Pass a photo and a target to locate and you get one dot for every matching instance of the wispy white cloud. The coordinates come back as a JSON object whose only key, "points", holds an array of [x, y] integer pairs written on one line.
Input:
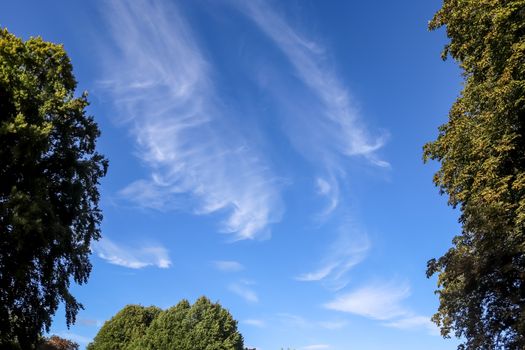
{"points": [[132, 257], [379, 302], [348, 250], [255, 322], [297, 321], [323, 187], [330, 129], [293, 320], [310, 62], [383, 302], [197, 157], [245, 291], [228, 265], [414, 322], [318, 274], [328, 187]]}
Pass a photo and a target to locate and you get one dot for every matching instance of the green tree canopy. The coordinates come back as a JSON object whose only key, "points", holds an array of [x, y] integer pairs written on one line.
{"points": [[481, 279], [49, 173], [201, 326], [170, 330], [128, 325]]}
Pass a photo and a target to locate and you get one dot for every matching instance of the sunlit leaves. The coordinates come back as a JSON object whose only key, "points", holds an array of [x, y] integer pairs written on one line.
{"points": [[482, 154], [49, 174]]}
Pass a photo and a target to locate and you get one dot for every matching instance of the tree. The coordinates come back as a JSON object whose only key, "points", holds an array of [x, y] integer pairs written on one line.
{"points": [[128, 325], [168, 331], [481, 279], [57, 343], [201, 326], [49, 175]]}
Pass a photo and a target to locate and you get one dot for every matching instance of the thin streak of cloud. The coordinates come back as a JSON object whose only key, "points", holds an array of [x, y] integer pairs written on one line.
{"points": [[348, 250], [161, 84], [383, 302], [228, 266], [414, 323], [309, 60], [317, 275], [244, 290], [293, 320], [132, 257], [297, 321], [328, 187], [329, 129], [380, 302], [255, 322]]}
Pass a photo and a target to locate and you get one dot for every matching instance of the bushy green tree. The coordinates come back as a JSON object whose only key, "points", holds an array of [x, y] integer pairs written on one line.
{"points": [[49, 174], [201, 326], [127, 326], [481, 279], [168, 331]]}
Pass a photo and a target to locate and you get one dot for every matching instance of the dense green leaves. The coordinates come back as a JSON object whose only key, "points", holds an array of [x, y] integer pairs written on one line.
{"points": [[482, 154], [49, 173], [201, 326], [124, 328]]}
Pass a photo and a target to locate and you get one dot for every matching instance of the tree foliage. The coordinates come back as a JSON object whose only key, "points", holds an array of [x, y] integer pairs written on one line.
{"points": [[168, 331], [49, 173], [57, 343], [128, 325], [201, 326], [204, 326], [481, 284]]}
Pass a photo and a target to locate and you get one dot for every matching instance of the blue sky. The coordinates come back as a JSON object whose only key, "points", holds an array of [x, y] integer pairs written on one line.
{"points": [[266, 154]]}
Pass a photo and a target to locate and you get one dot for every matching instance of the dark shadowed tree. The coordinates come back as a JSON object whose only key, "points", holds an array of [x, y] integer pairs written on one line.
{"points": [[481, 279], [49, 174]]}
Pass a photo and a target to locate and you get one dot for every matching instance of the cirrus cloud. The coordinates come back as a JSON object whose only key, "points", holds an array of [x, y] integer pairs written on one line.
{"points": [[197, 158], [136, 257]]}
